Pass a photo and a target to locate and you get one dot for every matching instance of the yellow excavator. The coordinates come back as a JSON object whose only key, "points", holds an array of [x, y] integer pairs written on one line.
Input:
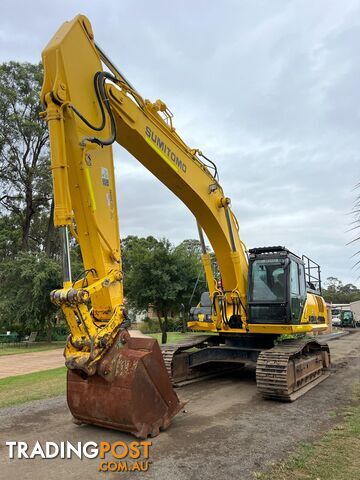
{"points": [[118, 380]]}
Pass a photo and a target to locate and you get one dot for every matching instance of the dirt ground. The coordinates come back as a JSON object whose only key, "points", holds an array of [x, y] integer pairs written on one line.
{"points": [[227, 431]]}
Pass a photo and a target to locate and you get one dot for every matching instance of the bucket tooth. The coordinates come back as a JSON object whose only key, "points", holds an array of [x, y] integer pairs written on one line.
{"points": [[131, 390]]}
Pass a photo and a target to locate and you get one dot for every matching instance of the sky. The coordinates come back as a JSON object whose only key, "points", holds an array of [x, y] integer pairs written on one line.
{"points": [[268, 90]]}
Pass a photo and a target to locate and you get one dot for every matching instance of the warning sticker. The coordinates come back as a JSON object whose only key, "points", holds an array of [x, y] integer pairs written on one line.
{"points": [[109, 199], [105, 176]]}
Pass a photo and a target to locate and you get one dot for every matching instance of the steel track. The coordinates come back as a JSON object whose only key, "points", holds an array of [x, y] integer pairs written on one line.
{"points": [[288, 370]]}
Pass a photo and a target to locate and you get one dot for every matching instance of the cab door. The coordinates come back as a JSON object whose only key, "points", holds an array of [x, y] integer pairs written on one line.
{"points": [[296, 297]]}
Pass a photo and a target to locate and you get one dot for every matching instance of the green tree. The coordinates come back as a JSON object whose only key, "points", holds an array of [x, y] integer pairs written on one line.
{"points": [[27, 240], [10, 237], [25, 284], [25, 179], [188, 259], [157, 274], [192, 246], [336, 292], [132, 249]]}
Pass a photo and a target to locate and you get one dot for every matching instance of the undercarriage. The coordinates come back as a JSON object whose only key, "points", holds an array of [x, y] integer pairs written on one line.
{"points": [[285, 370]]}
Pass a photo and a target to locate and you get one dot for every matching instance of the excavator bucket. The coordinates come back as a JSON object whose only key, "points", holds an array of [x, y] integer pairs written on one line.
{"points": [[131, 390]]}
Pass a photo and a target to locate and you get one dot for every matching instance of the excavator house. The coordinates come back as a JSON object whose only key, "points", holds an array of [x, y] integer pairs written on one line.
{"points": [[124, 382]]}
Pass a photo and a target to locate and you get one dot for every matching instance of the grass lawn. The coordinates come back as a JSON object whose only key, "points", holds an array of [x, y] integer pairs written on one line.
{"points": [[31, 348], [175, 337], [33, 386], [334, 457]]}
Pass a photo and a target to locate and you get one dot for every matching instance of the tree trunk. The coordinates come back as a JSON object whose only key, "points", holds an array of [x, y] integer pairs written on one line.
{"points": [[49, 329], [184, 323], [28, 213], [163, 327], [25, 231]]}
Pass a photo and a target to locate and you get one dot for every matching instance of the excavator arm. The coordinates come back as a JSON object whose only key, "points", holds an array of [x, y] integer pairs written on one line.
{"points": [[88, 109]]}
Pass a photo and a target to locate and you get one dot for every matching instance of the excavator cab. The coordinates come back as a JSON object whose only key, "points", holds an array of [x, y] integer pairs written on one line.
{"points": [[277, 286]]}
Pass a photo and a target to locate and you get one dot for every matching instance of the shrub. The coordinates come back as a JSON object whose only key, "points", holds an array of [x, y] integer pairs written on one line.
{"points": [[151, 325], [59, 333], [174, 324]]}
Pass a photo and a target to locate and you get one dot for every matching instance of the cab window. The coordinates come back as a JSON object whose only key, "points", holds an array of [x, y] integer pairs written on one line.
{"points": [[302, 280], [268, 282], [294, 278]]}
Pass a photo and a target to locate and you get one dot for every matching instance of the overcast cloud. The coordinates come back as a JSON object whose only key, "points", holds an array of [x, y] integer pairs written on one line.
{"points": [[268, 90]]}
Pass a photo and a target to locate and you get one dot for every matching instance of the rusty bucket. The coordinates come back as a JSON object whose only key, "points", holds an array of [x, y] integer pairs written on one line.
{"points": [[131, 390]]}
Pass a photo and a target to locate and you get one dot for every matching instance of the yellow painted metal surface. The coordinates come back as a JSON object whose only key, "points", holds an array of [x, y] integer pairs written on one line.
{"points": [[85, 195]]}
